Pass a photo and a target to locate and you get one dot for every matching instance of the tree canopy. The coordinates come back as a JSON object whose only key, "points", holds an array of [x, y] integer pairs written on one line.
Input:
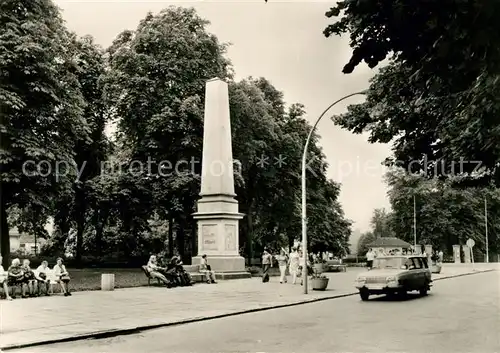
{"points": [[435, 100], [445, 215], [121, 200], [42, 108]]}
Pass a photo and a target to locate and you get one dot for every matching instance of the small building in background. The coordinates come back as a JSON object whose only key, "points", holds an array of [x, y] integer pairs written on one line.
{"points": [[24, 243], [384, 246]]}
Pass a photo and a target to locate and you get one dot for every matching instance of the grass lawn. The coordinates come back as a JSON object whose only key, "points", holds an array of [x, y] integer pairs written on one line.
{"points": [[90, 278]]}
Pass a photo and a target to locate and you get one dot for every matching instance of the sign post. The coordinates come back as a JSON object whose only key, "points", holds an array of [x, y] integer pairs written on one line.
{"points": [[470, 243]]}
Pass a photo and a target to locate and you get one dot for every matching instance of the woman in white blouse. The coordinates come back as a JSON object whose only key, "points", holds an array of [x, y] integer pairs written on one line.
{"points": [[62, 276], [294, 265]]}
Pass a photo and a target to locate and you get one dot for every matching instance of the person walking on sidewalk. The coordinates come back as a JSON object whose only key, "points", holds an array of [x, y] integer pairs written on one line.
{"points": [[282, 262], [207, 270], [3, 280], [293, 265], [267, 261], [370, 256]]}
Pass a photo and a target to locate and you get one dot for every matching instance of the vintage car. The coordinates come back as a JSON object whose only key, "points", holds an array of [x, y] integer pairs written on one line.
{"points": [[397, 274]]}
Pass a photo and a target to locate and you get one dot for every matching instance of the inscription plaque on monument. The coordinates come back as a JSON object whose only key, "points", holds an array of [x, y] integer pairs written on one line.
{"points": [[230, 231], [209, 236]]}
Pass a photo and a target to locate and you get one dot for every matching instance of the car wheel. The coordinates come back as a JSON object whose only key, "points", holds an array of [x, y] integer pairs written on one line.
{"points": [[364, 294], [402, 293], [391, 295], [423, 291]]}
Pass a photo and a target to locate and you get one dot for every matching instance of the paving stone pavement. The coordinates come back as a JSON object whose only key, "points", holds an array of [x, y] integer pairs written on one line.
{"points": [[48, 319]]}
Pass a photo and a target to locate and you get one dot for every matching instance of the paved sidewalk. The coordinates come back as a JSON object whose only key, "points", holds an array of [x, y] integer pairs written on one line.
{"points": [[25, 322]]}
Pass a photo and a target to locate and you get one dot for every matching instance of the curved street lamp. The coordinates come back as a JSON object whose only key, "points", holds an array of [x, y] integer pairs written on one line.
{"points": [[304, 202]]}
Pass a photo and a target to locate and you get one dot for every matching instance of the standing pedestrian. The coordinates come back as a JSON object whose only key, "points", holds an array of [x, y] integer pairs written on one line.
{"points": [[267, 261], [293, 265], [440, 256], [282, 262], [370, 256]]}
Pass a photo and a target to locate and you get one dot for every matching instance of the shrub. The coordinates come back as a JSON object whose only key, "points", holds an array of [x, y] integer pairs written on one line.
{"points": [[353, 260]]}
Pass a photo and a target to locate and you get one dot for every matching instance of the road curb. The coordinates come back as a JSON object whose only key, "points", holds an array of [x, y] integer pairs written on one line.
{"points": [[134, 330], [464, 274]]}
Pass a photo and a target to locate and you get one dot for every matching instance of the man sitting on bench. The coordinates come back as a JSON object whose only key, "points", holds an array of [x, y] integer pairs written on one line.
{"points": [[15, 277], [205, 268], [156, 271], [42, 279], [3, 280], [176, 270]]}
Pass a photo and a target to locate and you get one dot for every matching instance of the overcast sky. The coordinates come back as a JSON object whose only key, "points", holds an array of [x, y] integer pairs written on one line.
{"points": [[283, 42]]}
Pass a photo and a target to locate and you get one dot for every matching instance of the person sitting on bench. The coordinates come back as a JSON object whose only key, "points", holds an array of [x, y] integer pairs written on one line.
{"points": [[16, 276], [29, 278], [176, 269], [62, 276], [205, 268], [42, 278], [3, 280], [156, 271]]}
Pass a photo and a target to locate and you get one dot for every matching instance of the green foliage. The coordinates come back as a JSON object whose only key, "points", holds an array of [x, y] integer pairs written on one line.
{"points": [[117, 201], [436, 101], [445, 215], [381, 223], [364, 240], [270, 193], [155, 87], [381, 226], [42, 106]]}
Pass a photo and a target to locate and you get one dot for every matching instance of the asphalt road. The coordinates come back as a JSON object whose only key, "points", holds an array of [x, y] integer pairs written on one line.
{"points": [[459, 315]]}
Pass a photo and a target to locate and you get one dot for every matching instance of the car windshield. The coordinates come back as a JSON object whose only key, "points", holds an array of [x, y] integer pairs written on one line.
{"points": [[388, 262]]}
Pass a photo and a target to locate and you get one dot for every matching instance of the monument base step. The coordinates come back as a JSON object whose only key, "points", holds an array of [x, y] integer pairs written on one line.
{"points": [[201, 277], [191, 268], [232, 275]]}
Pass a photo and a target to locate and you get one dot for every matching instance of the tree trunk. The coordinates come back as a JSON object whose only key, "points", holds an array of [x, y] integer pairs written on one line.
{"points": [[80, 225], [194, 239], [103, 220], [170, 236], [4, 230], [249, 239], [180, 235]]}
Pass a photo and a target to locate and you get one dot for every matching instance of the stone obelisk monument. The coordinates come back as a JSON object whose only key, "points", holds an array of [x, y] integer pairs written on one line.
{"points": [[218, 215]]}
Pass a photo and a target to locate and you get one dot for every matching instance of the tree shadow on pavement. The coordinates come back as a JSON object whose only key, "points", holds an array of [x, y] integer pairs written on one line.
{"points": [[395, 298]]}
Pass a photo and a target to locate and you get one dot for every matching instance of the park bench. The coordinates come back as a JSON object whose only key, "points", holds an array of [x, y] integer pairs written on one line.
{"points": [[335, 266], [193, 270], [54, 283], [148, 275]]}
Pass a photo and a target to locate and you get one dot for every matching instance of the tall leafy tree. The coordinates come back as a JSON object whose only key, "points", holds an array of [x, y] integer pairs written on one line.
{"points": [[268, 140], [363, 242], [155, 88], [41, 107], [90, 151], [436, 99], [380, 223], [445, 215]]}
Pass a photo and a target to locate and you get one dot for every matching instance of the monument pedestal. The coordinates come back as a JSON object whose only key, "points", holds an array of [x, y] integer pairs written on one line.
{"points": [[231, 267], [456, 254], [218, 215], [218, 234], [467, 257]]}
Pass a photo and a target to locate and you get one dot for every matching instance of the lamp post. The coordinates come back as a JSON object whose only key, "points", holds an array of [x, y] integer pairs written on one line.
{"points": [[434, 189], [486, 228], [304, 201], [414, 222]]}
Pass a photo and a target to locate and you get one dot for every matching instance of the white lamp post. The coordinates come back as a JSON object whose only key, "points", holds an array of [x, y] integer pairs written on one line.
{"points": [[414, 222], [486, 228], [304, 201]]}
